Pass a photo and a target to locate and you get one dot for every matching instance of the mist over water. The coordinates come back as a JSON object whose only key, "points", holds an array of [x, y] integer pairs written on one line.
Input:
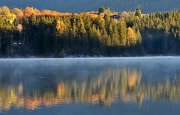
{"points": [[100, 86]]}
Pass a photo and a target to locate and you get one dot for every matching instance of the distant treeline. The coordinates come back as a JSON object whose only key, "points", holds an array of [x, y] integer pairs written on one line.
{"points": [[30, 32]]}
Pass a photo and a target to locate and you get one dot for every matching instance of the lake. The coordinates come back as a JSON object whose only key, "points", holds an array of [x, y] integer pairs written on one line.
{"points": [[90, 86]]}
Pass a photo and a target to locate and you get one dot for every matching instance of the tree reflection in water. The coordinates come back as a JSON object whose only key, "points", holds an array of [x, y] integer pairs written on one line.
{"points": [[110, 85]]}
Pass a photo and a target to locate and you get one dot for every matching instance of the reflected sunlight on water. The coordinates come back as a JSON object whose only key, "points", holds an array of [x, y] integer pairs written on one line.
{"points": [[34, 86]]}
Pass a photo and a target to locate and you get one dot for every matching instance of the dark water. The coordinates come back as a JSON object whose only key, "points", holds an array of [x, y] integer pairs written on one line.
{"points": [[103, 86]]}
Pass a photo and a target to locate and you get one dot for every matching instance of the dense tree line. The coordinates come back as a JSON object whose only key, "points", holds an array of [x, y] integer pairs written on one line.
{"points": [[26, 32]]}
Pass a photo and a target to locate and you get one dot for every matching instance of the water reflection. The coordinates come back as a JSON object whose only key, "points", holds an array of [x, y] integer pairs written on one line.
{"points": [[33, 87]]}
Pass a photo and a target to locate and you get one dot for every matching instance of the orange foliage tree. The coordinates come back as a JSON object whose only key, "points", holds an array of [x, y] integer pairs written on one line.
{"points": [[28, 11]]}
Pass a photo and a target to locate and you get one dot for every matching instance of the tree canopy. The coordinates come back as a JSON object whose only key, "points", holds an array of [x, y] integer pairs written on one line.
{"points": [[30, 31]]}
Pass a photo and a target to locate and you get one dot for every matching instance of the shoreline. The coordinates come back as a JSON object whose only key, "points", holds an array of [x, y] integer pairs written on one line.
{"points": [[130, 57]]}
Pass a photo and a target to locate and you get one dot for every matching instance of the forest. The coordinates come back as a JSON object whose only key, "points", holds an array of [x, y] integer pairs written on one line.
{"points": [[46, 33]]}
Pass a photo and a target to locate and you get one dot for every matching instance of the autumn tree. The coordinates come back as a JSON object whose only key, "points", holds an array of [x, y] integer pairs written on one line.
{"points": [[28, 11], [131, 37], [60, 26], [18, 12], [7, 15]]}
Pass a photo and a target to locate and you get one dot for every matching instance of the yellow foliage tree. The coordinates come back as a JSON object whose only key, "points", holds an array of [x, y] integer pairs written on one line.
{"points": [[18, 12], [132, 38], [60, 26], [6, 14]]}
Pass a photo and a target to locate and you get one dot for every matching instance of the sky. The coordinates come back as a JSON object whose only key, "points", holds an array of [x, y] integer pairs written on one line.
{"points": [[93, 5]]}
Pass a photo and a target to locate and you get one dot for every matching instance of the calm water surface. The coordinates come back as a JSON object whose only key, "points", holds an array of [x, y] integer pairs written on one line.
{"points": [[91, 86]]}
